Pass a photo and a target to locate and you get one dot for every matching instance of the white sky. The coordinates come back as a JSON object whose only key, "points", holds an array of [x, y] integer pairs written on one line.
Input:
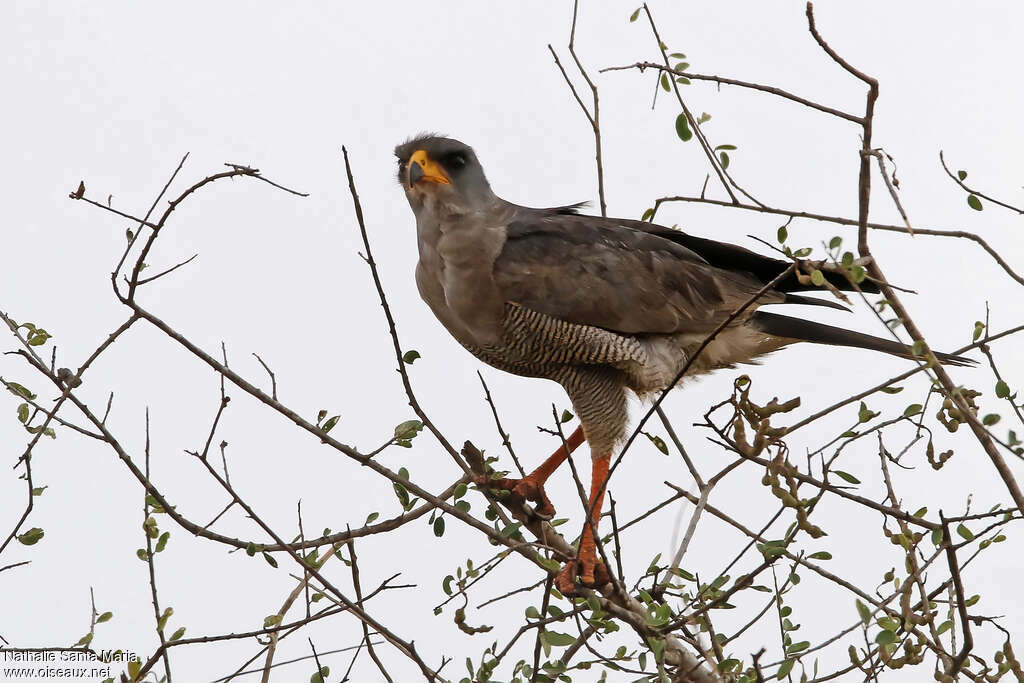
{"points": [[115, 93]]}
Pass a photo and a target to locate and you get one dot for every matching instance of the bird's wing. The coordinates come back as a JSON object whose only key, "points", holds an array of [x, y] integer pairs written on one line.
{"points": [[763, 268], [599, 272]]}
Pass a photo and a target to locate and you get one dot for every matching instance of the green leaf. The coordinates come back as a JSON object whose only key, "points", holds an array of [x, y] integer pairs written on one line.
{"points": [[974, 202], [648, 214], [370, 518], [784, 669], [566, 416], [18, 389], [798, 647], [272, 620], [403, 495], [439, 527], [408, 430], [962, 175], [47, 431], [23, 413], [724, 159], [106, 616], [270, 560], [817, 277], [329, 425], [892, 390], [846, 476], [556, 639], [865, 414], [913, 409], [133, 668], [177, 634], [858, 274], [320, 416], [512, 529], [991, 419], [1002, 391], [863, 611], [782, 234], [677, 55], [728, 147], [979, 327], [162, 541], [835, 242], [634, 15], [729, 664], [683, 127], [31, 537], [937, 536], [964, 532], [549, 564], [658, 442], [821, 555], [665, 84], [886, 637], [410, 356], [446, 585], [771, 549], [321, 675]]}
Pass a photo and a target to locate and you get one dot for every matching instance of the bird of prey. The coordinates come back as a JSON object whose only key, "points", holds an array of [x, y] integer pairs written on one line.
{"points": [[600, 305]]}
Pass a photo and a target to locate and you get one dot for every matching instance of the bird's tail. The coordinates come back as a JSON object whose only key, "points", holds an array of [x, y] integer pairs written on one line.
{"points": [[819, 333]]}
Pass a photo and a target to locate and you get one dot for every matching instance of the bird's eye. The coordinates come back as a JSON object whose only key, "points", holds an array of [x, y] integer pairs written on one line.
{"points": [[456, 161]]}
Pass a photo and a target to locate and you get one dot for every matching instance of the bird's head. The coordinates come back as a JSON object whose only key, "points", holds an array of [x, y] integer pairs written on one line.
{"points": [[440, 172]]}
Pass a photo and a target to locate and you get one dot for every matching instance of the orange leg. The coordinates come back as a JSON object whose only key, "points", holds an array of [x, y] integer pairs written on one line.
{"points": [[587, 566], [531, 487]]}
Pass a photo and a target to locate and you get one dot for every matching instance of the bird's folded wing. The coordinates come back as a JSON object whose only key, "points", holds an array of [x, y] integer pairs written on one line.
{"points": [[594, 271], [763, 268]]}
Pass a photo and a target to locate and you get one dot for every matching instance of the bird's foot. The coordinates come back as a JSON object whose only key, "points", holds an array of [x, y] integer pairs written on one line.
{"points": [[589, 569], [521, 491]]}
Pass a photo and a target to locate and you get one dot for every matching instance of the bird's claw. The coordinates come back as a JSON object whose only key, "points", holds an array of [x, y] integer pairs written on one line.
{"points": [[591, 573], [521, 491]]}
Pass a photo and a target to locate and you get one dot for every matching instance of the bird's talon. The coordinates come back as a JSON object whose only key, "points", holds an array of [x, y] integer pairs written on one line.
{"points": [[593, 575]]}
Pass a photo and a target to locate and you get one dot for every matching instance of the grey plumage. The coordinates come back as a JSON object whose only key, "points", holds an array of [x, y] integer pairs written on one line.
{"points": [[599, 305], [548, 292]]}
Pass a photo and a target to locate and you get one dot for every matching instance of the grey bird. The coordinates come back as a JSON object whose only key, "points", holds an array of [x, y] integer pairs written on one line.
{"points": [[600, 305]]}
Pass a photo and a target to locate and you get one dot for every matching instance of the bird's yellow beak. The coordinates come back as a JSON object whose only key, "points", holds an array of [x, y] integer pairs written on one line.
{"points": [[422, 167]]}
